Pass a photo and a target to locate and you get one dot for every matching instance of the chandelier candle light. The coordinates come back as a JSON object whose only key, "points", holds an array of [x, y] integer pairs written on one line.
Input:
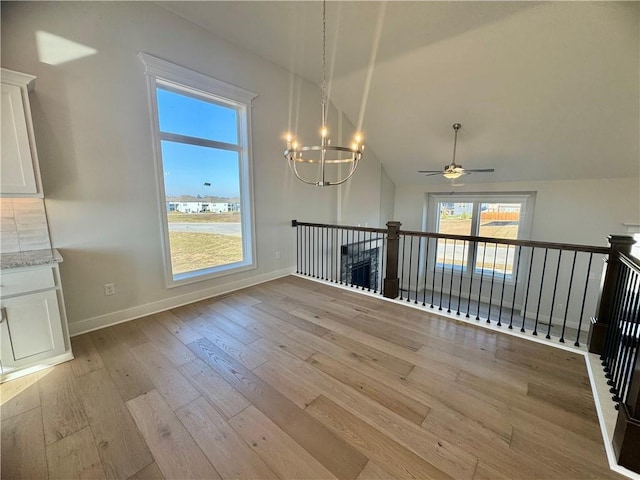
{"points": [[328, 154]]}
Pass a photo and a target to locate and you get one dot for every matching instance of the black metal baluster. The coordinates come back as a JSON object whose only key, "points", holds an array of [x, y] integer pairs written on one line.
{"points": [[526, 298], [426, 269], [632, 349], [409, 274], [453, 263], [614, 335], [584, 298], [352, 254], [297, 248], [493, 276], [553, 297], [321, 256], [544, 267], [619, 330], [464, 259], [474, 246], [433, 277], [418, 269], [444, 264], [338, 250], [371, 270], [404, 241], [628, 342], [305, 249], [484, 252], [566, 306], [619, 344], [383, 255], [504, 280], [515, 288]]}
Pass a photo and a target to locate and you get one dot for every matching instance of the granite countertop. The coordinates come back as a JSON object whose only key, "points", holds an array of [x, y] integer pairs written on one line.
{"points": [[30, 258]]}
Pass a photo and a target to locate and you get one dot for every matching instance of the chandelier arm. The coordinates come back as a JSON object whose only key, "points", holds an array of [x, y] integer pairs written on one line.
{"points": [[295, 171]]}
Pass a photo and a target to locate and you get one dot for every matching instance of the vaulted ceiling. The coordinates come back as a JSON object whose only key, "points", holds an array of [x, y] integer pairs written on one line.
{"points": [[543, 91]]}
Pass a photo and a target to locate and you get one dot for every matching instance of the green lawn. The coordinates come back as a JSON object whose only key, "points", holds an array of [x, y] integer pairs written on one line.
{"points": [[194, 251]]}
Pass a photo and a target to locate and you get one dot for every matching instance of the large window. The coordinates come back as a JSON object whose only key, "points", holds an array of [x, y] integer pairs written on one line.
{"points": [[505, 216], [201, 135]]}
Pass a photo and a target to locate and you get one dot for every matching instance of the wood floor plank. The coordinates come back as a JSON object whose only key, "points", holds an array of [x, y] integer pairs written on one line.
{"points": [[122, 449], [164, 341], [336, 455], [226, 399], [19, 395], [272, 373], [174, 387], [453, 460], [227, 452], [390, 398], [129, 333], [241, 314], [128, 376], [75, 456], [382, 359], [385, 331], [234, 329], [23, 449], [228, 344], [526, 406], [150, 472], [86, 357], [571, 398], [284, 455], [487, 411], [241, 298], [290, 319], [62, 411], [399, 461], [373, 471], [175, 451], [177, 327], [553, 462], [282, 341], [189, 312]]}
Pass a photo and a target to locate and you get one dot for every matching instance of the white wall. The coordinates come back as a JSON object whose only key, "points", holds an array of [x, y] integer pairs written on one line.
{"points": [[93, 134]]}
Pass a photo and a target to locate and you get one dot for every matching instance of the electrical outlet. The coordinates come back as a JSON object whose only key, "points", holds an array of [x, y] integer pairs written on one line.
{"points": [[109, 289], [277, 255]]}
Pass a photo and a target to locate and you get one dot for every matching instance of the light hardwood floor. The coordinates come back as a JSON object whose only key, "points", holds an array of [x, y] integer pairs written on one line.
{"points": [[293, 379]]}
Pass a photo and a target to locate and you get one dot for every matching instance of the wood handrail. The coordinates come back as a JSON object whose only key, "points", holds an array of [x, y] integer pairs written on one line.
{"points": [[469, 238]]}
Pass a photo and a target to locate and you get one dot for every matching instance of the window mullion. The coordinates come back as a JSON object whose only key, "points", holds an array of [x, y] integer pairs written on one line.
{"points": [[200, 142]]}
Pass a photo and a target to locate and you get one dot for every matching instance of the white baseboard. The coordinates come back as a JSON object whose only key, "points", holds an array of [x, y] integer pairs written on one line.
{"points": [[102, 321]]}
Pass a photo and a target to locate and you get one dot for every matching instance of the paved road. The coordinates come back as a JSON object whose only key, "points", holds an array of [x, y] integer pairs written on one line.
{"points": [[232, 229]]}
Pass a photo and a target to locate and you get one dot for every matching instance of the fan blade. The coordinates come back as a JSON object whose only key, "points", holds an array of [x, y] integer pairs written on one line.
{"points": [[479, 170], [429, 171], [432, 174]]}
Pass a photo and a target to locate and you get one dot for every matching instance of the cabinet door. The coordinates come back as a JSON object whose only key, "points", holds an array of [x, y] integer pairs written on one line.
{"points": [[16, 164], [31, 329]]}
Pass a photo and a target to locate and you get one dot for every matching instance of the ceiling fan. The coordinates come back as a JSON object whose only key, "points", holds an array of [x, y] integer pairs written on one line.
{"points": [[454, 170]]}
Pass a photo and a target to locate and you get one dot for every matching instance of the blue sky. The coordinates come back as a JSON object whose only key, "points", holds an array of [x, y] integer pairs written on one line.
{"points": [[187, 168]]}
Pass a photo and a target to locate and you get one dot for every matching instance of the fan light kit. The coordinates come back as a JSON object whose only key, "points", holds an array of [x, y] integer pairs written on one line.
{"points": [[348, 156], [454, 170]]}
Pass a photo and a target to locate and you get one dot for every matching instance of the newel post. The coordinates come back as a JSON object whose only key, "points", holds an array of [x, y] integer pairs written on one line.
{"points": [[600, 325], [391, 280]]}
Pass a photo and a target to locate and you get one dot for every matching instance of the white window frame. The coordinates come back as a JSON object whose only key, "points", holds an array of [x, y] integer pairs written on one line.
{"points": [[430, 220], [183, 80]]}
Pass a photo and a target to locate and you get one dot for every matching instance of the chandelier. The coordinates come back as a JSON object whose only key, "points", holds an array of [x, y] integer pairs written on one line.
{"points": [[324, 156]]}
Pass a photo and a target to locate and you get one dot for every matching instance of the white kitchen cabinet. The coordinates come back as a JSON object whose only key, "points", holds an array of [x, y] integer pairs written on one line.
{"points": [[19, 170], [33, 330]]}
